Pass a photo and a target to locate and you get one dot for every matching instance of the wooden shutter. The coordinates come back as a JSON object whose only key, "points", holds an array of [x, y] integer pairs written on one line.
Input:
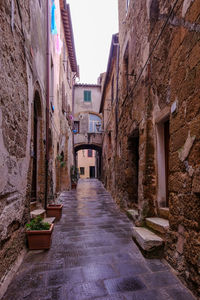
{"points": [[63, 98]]}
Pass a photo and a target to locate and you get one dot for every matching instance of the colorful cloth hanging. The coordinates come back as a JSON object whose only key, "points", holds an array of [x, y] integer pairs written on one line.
{"points": [[53, 19], [58, 44]]}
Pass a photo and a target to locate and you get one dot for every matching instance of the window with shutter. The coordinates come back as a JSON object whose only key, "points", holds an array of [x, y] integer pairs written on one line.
{"points": [[63, 97], [89, 152], [87, 96]]}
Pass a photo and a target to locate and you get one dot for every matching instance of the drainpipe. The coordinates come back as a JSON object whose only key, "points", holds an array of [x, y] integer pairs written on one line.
{"points": [[47, 107], [117, 90]]}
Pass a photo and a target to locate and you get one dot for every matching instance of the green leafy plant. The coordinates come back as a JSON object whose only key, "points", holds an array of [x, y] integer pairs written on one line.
{"points": [[37, 224], [74, 174], [60, 158]]}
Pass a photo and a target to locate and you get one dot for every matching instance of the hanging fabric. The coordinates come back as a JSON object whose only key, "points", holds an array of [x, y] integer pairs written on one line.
{"points": [[58, 44], [53, 19]]}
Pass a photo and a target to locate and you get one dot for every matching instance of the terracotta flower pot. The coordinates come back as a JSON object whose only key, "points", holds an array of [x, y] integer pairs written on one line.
{"points": [[54, 210], [74, 185], [39, 239]]}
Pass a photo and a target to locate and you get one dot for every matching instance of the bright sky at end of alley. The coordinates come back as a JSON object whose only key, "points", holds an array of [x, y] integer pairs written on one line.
{"points": [[94, 22]]}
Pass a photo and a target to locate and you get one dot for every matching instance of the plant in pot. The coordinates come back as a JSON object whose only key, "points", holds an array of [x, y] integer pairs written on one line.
{"points": [[39, 234], [54, 210], [74, 177]]}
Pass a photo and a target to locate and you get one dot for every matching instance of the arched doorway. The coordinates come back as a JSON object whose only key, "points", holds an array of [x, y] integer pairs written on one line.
{"points": [[36, 146]]}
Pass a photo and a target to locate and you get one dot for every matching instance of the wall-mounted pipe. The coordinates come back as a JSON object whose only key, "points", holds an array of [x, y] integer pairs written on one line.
{"points": [[47, 104]]}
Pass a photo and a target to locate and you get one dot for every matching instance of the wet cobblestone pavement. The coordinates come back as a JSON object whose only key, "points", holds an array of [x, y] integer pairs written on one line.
{"points": [[93, 257]]}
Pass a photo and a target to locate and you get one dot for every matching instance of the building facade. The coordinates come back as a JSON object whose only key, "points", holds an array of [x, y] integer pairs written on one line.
{"points": [[87, 121], [86, 163], [156, 157], [38, 70]]}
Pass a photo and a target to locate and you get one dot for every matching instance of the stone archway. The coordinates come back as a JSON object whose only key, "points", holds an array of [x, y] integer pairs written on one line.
{"points": [[95, 147]]}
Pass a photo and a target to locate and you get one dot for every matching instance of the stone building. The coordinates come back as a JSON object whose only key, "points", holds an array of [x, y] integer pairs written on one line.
{"points": [[38, 70], [86, 163], [87, 98], [155, 145]]}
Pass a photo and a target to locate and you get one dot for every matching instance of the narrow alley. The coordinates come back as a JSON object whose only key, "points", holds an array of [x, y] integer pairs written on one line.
{"points": [[93, 257]]}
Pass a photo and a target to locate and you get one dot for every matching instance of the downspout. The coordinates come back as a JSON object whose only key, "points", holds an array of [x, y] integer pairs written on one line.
{"points": [[117, 92], [47, 108]]}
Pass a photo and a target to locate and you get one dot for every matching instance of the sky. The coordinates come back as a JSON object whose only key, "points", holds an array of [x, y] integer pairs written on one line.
{"points": [[94, 22]]}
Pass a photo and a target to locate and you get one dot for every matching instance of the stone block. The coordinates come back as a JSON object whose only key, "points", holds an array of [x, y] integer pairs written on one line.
{"points": [[163, 212], [132, 214], [158, 224], [146, 239], [38, 212], [196, 181]]}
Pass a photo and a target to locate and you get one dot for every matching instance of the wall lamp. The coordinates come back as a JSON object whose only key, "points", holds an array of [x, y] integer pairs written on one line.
{"points": [[98, 126]]}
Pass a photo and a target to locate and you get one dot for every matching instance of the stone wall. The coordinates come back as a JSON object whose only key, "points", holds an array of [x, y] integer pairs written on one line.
{"points": [[161, 58], [14, 115], [22, 102]]}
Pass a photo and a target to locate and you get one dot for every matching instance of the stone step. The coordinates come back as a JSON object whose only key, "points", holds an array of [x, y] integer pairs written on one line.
{"points": [[38, 212], [163, 212], [157, 224], [33, 205], [132, 214], [146, 239], [49, 220]]}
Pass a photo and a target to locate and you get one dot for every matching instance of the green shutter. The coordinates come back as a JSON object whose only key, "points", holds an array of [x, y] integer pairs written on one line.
{"points": [[87, 96]]}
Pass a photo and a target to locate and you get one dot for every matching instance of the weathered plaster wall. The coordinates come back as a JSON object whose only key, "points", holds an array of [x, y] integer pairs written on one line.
{"points": [[83, 109], [80, 105], [85, 162]]}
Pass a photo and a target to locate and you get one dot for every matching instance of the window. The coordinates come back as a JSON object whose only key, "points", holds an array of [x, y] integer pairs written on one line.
{"points": [[126, 68], [76, 126], [112, 90], [52, 85], [82, 170], [64, 56], [89, 152], [93, 121], [63, 98], [87, 96]]}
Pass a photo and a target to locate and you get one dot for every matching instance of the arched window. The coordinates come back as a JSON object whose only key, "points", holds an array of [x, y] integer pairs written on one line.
{"points": [[93, 120]]}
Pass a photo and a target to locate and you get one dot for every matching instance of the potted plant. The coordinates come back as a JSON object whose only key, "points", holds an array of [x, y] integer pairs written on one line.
{"points": [[39, 234], [74, 177], [60, 159], [54, 210]]}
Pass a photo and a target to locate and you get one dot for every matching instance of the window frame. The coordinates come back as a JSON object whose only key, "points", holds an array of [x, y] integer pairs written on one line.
{"points": [[90, 153], [82, 170]]}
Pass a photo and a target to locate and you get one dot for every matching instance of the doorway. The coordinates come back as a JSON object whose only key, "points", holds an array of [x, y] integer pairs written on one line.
{"points": [[37, 150], [92, 172], [166, 144], [133, 169], [163, 140], [34, 154]]}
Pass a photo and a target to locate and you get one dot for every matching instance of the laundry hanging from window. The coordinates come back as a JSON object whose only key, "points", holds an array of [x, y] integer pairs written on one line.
{"points": [[53, 19]]}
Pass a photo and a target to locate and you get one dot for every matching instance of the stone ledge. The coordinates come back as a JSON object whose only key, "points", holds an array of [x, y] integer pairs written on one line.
{"points": [[164, 212], [132, 214], [49, 220], [38, 212], [158, 224], [146, 239]]}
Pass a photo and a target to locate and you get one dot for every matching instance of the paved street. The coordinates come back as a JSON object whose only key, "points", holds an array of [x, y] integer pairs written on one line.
{"points": [[93, 257]]}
